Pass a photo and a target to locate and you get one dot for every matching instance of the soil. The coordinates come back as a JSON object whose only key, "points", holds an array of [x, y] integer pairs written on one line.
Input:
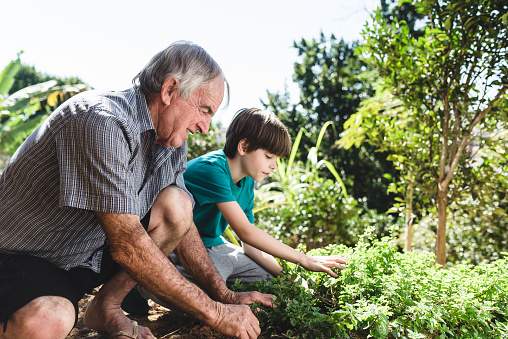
{"points": [[164, 324]]}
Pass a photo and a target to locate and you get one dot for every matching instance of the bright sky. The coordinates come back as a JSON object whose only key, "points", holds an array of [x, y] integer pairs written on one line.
{"points": [[106, 42]]}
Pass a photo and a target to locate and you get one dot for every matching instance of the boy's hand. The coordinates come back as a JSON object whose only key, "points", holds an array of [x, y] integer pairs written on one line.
{"points": [[324, 263]]}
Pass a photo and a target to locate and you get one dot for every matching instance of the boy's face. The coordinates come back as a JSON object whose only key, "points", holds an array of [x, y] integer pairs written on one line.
{"points": [[259, 164]]}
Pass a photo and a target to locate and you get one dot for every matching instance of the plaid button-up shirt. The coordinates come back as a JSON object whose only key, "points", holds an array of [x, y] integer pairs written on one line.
{"points": [[96, 152]]}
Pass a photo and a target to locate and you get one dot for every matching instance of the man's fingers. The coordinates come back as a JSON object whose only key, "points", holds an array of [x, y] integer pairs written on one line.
{"points": [[255, 330], [267, 300]]}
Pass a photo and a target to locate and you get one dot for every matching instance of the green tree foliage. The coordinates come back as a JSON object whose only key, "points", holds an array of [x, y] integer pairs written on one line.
{"points": [[333, 81], [393, 10], [383, 121], [28, 76], [449, 79], [25, 109]]}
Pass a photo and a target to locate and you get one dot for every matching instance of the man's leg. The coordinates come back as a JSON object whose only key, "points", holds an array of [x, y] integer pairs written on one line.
{"points": [[45, 317], [171, 217], [37, 299]]}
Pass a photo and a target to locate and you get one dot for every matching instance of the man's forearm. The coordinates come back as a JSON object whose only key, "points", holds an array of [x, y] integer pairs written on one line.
{"points": [[135, 251], [193, 256]]}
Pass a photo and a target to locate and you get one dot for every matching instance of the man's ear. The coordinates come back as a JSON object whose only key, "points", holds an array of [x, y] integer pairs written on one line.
{"points": [[242, 146], [168, 90]]}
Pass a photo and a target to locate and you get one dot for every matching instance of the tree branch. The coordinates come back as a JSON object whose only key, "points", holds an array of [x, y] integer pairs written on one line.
{"points": [[479, 116]]}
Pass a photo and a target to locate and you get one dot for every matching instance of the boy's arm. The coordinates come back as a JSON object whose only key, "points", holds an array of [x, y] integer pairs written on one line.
{"points": [[265, 260], [250, 234]]}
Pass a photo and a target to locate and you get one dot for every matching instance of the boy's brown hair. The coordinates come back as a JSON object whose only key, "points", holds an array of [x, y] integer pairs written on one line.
{"points": [[262, 129]]}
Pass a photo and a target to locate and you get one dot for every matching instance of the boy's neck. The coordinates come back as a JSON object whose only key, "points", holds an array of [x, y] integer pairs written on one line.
{"points": [[235, 168]]}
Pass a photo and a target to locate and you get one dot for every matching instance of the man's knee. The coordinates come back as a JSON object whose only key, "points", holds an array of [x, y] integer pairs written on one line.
{"points": [[44, 317], [172, 210]]}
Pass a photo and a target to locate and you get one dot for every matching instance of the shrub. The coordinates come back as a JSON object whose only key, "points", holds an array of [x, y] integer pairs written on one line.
{"points": [[384, 293]]}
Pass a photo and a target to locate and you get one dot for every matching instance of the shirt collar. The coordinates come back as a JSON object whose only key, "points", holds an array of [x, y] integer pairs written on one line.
{"points": [[145, 119]]}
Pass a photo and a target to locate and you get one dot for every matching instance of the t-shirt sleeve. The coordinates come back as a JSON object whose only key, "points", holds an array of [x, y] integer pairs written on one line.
{"points": [[93, 156], [209, 183]]}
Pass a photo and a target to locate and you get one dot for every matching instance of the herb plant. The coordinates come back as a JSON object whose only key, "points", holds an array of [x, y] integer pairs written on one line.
{"points": [[383, 293]]}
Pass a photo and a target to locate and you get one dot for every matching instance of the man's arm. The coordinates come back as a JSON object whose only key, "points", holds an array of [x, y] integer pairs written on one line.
{"points": [[194, 258], [135, 251]]}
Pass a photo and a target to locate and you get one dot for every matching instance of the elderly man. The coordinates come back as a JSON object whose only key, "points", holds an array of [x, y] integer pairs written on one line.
{"points": [[95, 196]]}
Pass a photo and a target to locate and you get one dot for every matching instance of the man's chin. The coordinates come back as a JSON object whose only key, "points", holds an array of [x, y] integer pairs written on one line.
{"points": [[169, 143]]}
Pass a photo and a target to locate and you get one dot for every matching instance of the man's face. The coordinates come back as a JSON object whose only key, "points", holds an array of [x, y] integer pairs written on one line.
{"points": [[183, 116]]}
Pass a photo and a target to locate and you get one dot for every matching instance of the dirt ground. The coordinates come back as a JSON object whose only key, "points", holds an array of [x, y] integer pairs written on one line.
{"points": [[163, 323]]}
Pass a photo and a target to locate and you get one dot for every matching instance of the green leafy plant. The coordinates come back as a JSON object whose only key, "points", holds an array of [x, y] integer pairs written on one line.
{"points": [[384, 293], [306, 206]]}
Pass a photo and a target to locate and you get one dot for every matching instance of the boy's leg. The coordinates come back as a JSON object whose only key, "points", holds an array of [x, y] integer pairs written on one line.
{"points": [[237, 264]]}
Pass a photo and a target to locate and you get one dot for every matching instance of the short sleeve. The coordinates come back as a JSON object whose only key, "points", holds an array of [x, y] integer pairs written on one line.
{"points": [[94, 154], [209, 183]]}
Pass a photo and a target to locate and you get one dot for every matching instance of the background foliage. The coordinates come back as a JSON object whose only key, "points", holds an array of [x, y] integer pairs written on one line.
{"points": [[25, 102], [449, 79]]}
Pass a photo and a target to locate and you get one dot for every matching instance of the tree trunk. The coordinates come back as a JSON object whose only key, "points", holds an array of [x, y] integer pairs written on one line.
{"points": [[442, 204], [409, 216], [409, 230]]}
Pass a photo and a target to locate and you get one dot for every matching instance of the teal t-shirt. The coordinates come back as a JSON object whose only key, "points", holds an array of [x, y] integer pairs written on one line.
{"points": [[209, 180]]}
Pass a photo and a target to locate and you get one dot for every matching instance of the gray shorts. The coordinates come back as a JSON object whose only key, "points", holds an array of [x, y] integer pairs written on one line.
{"points": [[231, 264]]}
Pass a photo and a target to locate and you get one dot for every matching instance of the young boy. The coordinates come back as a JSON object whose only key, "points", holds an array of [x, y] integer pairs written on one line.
{"points": [[222, 183]]}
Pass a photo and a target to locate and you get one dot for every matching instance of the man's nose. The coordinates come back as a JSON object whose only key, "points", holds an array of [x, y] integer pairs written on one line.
{"points": [[204, 126]]}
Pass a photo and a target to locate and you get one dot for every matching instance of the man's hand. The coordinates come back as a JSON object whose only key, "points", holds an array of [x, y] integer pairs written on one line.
{"points": [[247, 298], [237, 321]]}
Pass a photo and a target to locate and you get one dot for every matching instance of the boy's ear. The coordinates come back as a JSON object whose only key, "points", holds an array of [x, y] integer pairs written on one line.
{"points": [[242, 146]]}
